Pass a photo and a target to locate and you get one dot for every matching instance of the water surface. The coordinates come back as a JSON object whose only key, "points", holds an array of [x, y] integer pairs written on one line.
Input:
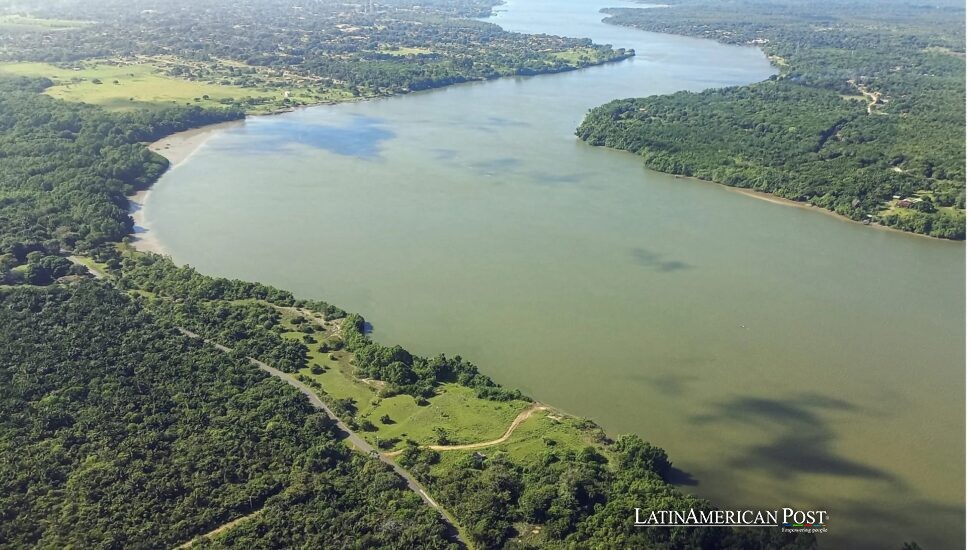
{"points": [[783, 357]]}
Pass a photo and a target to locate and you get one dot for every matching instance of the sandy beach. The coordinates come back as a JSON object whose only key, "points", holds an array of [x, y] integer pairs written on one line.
{"points": [[177, 148]]}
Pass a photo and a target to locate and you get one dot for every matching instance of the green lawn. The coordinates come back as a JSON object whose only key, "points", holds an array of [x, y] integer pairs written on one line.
{"points": [[465, 417], [130, 85]]}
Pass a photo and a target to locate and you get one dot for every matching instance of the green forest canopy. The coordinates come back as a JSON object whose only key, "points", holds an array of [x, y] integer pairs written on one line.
{"points": [[868, 108]]}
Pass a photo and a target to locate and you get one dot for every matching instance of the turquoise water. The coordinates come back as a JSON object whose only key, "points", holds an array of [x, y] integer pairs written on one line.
{"points": [[783, 357]]}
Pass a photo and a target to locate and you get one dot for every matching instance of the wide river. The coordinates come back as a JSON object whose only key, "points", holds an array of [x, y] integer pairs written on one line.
{"points": [[782, 356]]}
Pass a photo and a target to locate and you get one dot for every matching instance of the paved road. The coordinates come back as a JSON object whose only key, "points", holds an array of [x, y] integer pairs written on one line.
{"points": [[354, 439]]}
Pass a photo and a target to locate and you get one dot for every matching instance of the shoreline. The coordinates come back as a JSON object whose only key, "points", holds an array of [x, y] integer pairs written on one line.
{"points": [[176, 148], [180, 146], [775, 199], [776, 62]]}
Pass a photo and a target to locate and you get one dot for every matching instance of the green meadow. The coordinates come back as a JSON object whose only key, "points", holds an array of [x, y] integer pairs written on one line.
{"points": [[455, 416], [128, 85]]}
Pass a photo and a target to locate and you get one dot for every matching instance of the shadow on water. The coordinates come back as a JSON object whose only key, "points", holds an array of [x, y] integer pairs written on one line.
{"points": [[496, 166], [656, 262], [877, 516], [678, 477], [361, 137], [671, 384], [543, 178], [804, 442], [506, 122], [444, 154]]}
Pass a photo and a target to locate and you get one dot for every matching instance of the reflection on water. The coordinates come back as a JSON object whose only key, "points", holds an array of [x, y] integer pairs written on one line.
{"points": [[784, 358]]}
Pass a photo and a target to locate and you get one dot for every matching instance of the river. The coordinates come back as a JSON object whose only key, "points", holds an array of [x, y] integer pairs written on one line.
{"points": [[783, 357]]}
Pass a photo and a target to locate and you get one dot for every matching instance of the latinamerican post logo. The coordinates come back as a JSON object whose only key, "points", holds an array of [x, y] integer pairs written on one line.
{"points": [[787, 519]]}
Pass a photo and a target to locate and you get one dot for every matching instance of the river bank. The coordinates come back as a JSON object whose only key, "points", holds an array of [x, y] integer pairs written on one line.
{"points": [[758, 345], [775, 199], [176, 148]]}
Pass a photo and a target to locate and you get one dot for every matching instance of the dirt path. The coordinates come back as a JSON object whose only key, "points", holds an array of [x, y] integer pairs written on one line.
{"points": [[872, 98], [522, 417], [352, 437], [220, 529], [331, 328], [95, 272]]}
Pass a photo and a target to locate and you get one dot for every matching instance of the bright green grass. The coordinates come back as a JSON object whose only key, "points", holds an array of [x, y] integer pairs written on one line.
{"points": [[140, 85], [542, 432], [338, 379], [457, 409], [465, 417], [539, 434], [92, 264]]}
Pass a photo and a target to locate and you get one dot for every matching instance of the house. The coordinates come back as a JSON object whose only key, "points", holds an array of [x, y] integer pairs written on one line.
{"points": [[905, 203]]}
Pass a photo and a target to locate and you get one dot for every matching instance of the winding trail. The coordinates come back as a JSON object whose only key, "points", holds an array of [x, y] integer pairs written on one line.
{"points": [[354, 439], [522, 417]]}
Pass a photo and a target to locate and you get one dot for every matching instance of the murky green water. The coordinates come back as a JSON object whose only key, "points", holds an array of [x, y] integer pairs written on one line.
{"points": [[783, 357]]}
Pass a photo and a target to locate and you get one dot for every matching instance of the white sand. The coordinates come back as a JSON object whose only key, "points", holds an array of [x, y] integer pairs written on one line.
{"points": [[177, 148]]}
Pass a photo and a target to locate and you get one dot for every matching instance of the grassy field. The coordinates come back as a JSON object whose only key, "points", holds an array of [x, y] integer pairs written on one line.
{"points": [[577, 55], [464, 417], [403, 51], [24, 21], [129, 85], [456, 409], [529, 442]]}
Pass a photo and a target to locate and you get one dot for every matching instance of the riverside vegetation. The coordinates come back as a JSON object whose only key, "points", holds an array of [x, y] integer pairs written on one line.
{"points": [[120, 430], [865, 118], [267, 55], [108, 402]]}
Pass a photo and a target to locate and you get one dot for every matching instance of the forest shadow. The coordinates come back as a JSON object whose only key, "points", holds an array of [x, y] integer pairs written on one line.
{"points": [[679, 477]]}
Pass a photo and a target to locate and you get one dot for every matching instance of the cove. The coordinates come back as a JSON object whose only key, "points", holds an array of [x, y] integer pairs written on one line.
{"points": [[784, 358]]}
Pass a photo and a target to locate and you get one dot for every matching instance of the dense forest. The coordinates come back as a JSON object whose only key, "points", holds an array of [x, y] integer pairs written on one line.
{"points": [[118, 431], [866, 116], [580, 500], [66, 168], [113, 404]]}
